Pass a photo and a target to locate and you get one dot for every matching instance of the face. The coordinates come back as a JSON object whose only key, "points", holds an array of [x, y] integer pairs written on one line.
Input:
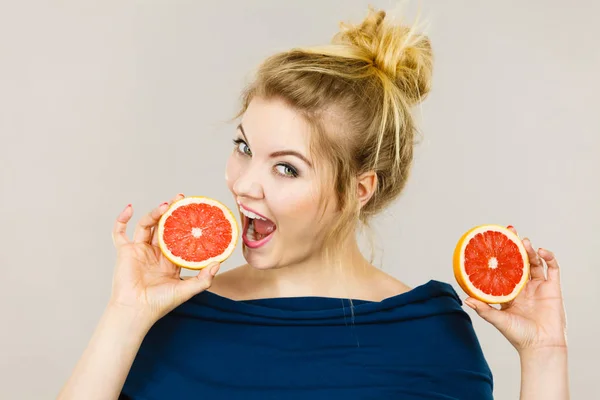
{"points": [[272, 176]]}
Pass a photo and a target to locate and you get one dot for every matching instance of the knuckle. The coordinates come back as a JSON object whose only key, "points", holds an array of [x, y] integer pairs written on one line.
{"points": [[145, 222], [205, 282], [155, 215]]}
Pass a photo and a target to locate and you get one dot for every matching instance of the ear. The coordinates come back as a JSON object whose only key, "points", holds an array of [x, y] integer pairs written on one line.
{"points": [[367, 183]]}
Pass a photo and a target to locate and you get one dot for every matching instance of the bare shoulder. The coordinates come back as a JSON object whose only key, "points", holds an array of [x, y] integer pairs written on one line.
{"points": [[373, 284], [387, 286]]}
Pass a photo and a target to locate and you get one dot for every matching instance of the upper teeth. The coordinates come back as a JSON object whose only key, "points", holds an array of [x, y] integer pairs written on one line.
{"points": [[250, 214]]}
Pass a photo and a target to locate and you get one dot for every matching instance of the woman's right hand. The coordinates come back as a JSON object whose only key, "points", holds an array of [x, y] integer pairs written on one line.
{"points": [[144, 280]]}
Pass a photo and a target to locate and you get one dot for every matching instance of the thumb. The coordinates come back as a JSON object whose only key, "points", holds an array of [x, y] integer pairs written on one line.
{"points": [[487, 312], [196, 284]]}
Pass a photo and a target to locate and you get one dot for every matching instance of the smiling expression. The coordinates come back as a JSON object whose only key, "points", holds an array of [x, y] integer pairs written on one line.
{"points": [[273, 177]]}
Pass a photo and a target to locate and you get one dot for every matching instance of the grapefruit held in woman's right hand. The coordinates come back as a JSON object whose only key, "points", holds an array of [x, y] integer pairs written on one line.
{"points": [[145, 280]]}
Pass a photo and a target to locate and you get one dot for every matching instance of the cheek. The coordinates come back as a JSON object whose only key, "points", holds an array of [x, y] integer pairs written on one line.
{"points": [[299, 206]]}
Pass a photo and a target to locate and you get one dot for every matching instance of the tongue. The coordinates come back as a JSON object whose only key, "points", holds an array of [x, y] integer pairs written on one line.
{"points": [[263, 227]]}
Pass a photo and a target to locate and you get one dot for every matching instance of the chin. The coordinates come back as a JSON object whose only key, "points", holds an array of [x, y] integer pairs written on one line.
{"points": [[259, 262]]}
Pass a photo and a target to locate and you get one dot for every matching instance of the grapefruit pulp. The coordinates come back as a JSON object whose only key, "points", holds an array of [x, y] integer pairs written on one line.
{"points": [[197, 231], [491, 264]]}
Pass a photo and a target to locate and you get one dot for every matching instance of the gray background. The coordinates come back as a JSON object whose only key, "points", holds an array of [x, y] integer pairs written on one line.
{"points": [[103, 103]]}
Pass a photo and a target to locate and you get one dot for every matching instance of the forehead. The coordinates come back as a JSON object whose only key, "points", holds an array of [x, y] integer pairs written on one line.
{"points": [[272, 124]]}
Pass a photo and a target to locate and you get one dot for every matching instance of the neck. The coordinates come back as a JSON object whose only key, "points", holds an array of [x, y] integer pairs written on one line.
{"points": [[344, 277]]}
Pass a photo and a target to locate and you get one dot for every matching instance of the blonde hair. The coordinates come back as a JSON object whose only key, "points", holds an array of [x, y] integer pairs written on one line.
{"points": [[356, 93]]}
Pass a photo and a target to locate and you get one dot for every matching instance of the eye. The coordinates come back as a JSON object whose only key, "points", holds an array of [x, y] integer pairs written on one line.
{"points": [[286, 170], [242, 147]]}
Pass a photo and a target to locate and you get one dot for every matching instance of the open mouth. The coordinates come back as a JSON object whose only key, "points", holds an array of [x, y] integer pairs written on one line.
{"points": [[257, 230]]}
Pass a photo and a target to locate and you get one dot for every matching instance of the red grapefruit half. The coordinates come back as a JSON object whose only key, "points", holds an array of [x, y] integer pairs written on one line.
{"points": [[196, 231], [491, 264]]}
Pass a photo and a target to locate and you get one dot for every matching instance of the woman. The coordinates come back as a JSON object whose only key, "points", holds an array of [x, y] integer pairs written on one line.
{"points": [[325, 142]]}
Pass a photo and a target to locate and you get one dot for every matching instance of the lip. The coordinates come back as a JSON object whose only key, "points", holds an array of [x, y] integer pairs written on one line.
{"points": [[255, 212], [258, 243]]}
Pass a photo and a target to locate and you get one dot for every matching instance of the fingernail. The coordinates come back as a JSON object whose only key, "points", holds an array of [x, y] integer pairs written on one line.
{"points": [[162, 205], [181, 194], [128, 205], [510, 227], [214, 269]]}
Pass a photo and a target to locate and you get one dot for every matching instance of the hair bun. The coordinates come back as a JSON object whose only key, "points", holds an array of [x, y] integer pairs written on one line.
{"points": [[397, 50]]}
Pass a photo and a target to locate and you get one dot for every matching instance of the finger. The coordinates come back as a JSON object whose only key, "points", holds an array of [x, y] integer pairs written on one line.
{"points": [[199, 283], [119, 232], [536, 265], [487, 312], [155, 228], [553, 268], [143, 229]]}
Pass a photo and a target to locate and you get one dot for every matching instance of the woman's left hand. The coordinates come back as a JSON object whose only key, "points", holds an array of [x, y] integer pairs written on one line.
{"points": [[535, 319]]}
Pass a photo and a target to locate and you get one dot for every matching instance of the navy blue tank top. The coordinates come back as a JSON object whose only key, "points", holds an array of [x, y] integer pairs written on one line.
{"points": [[416, 345]]}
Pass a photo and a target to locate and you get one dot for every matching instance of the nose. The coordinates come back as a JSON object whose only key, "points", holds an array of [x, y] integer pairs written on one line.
{"points": [[248, 185]]}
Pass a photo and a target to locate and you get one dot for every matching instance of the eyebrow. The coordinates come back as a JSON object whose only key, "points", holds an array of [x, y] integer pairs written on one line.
{"points": [[278, 153]]}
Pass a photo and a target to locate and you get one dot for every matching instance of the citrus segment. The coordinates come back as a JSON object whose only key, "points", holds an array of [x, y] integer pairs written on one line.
{"points": [[196, 231], [491, 264]]}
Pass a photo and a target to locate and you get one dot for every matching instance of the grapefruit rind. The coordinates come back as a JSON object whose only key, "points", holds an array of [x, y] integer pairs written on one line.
{"points": [[201, 264], [460, 273]]}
